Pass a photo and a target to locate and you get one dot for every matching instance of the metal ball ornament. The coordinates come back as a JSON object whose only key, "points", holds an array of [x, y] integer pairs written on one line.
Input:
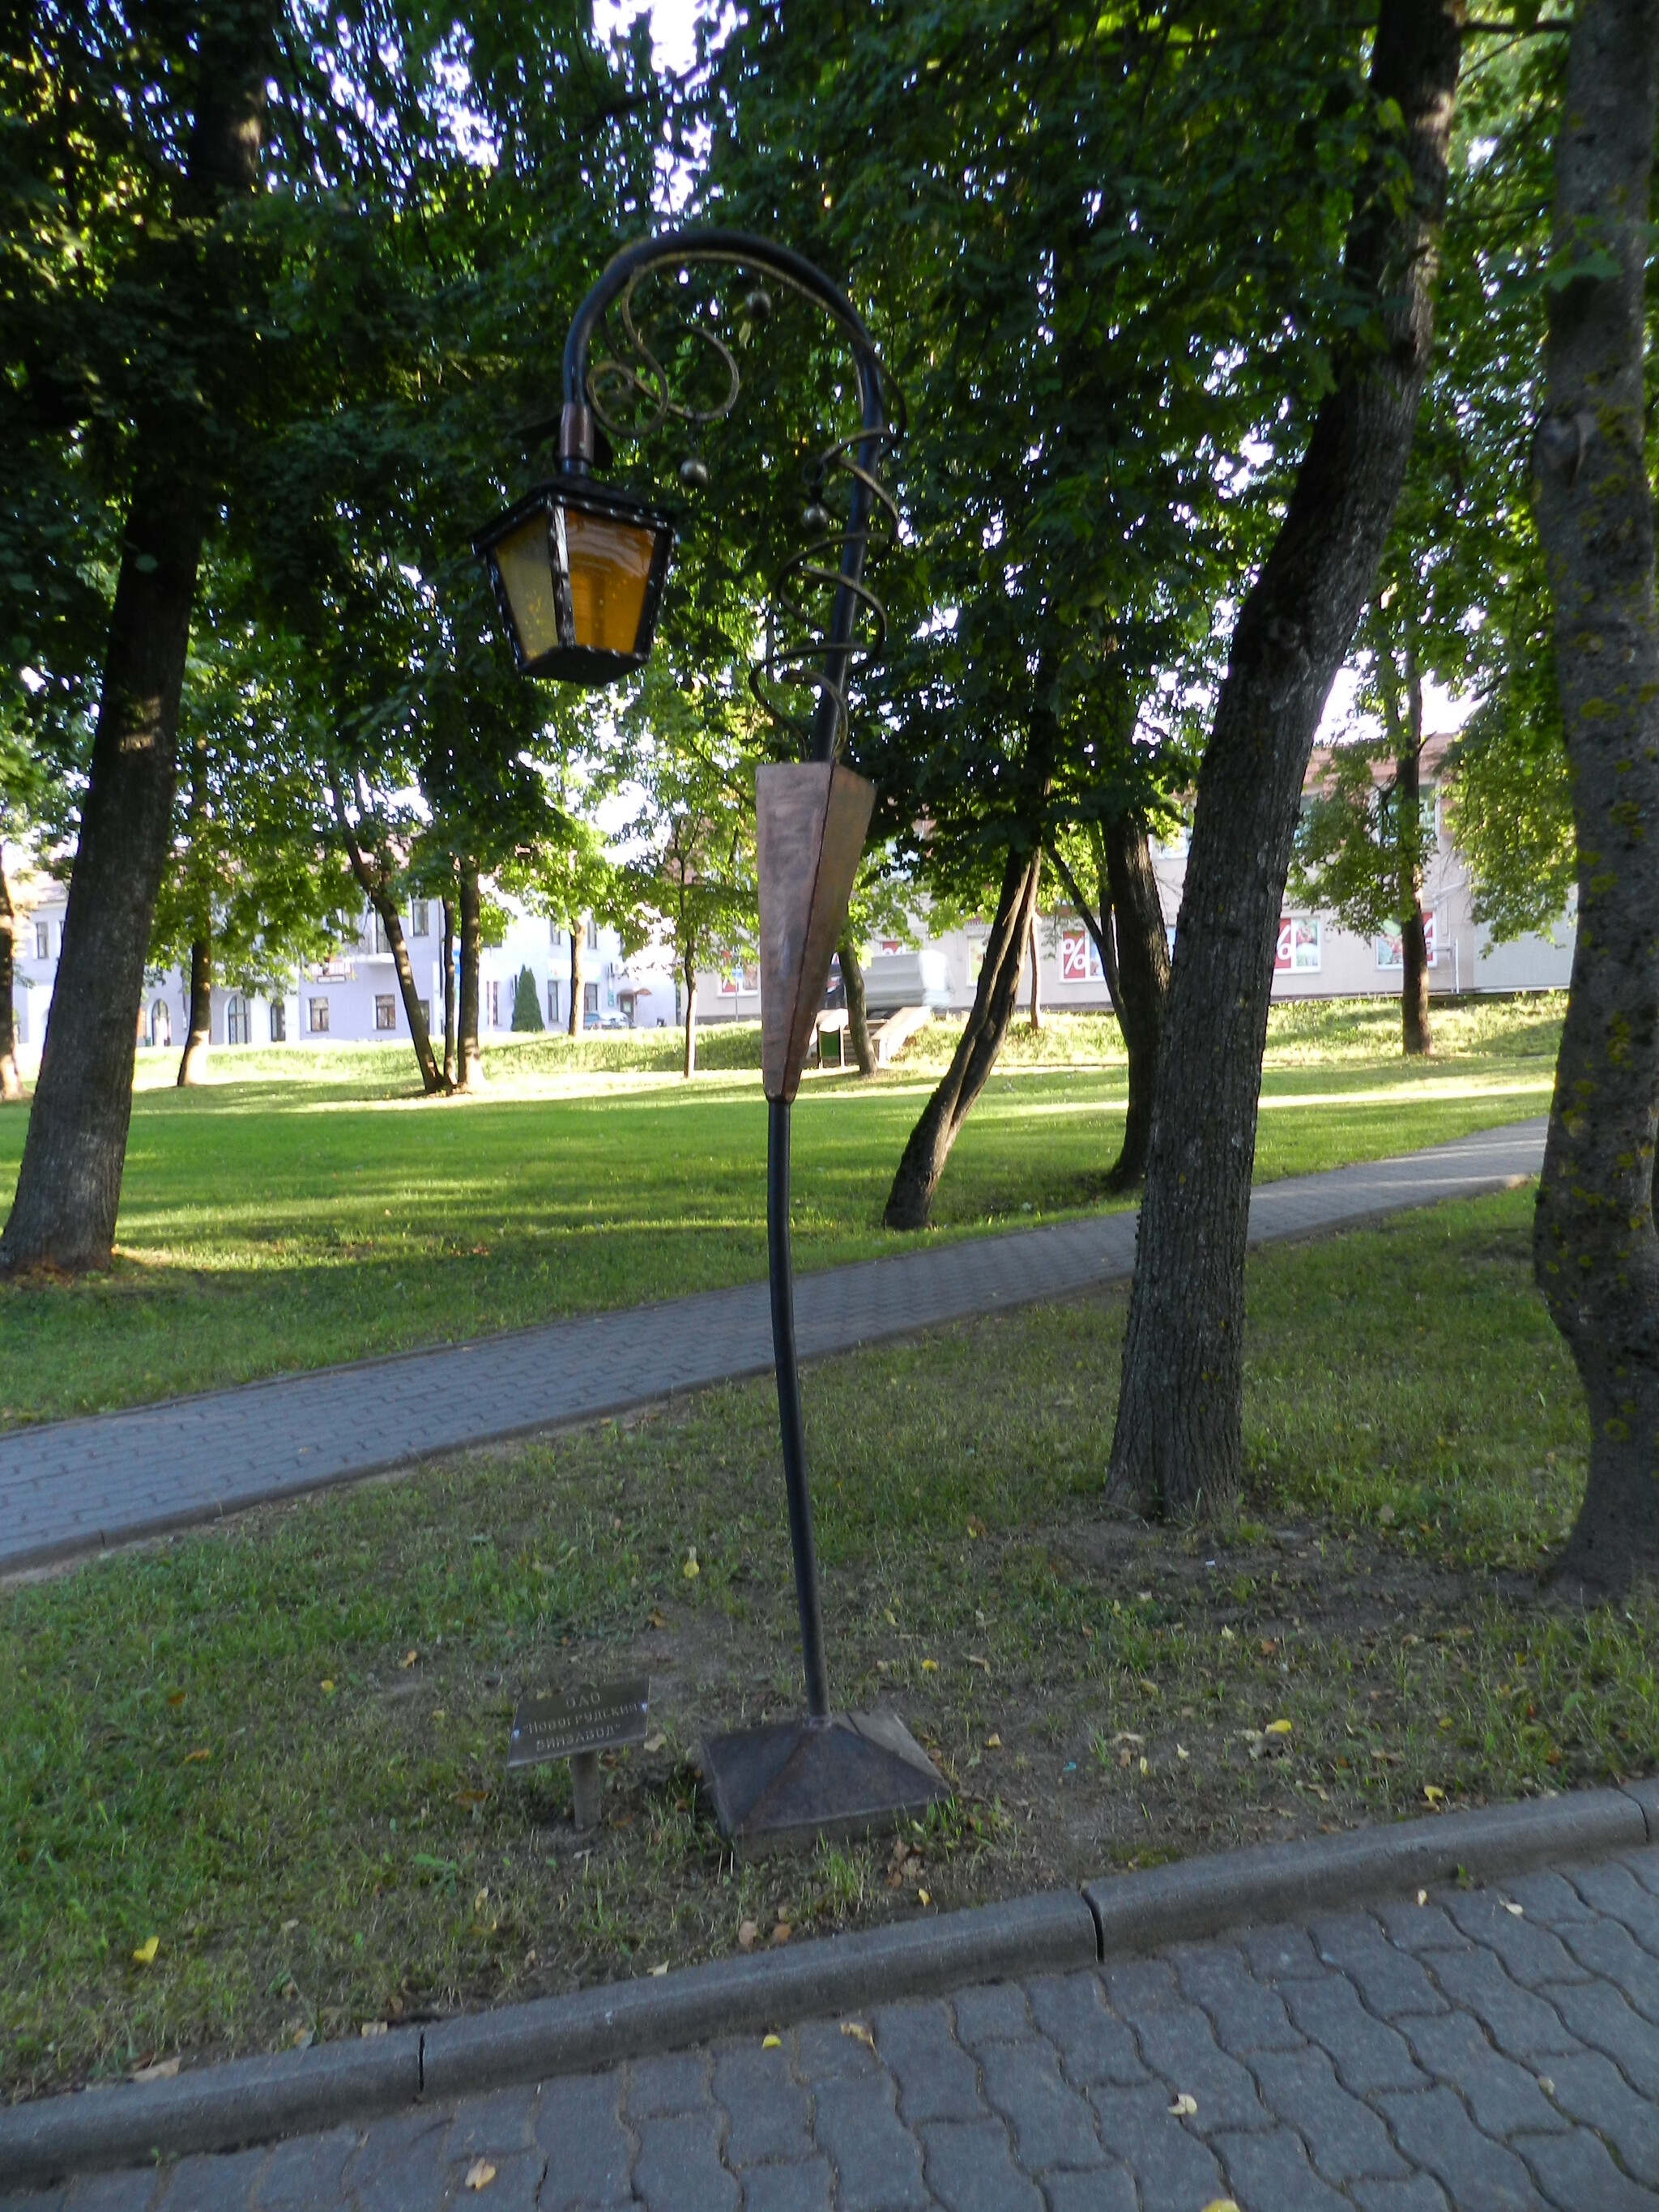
{"points": [[757, 306], [693, 473], [816, 517]]}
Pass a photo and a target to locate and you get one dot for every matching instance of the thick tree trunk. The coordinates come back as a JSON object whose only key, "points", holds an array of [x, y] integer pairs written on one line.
{"points": [[69, 1186], [1595, 1248], [11, 1083], [1142, 945], [449, 991], [858, 1020], [689, 969], [910, 1201], [192, 1062], [471, 947], [1178, 1444], [577, 976]]}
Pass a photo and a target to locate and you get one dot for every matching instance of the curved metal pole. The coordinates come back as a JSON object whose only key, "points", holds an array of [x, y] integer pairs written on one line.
{"points": [[676, 249], [741, 248]]}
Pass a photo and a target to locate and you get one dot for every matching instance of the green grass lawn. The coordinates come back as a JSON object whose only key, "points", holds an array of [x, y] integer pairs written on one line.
{"points": [[277, 1747], [306, 1208]]}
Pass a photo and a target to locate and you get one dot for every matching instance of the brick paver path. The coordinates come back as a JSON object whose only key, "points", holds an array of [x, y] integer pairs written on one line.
{"points": [[1460, 2054], [77, 1485]]}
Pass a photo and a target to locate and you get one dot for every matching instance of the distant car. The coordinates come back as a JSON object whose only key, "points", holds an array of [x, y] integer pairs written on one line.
{"points": [[603, 1021]]}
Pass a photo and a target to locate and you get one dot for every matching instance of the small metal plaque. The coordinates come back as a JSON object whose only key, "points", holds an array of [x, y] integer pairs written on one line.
{"points": [[596, 1716]]}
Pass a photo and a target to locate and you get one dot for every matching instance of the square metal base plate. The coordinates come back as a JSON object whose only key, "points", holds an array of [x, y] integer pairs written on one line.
{"points": [[791, 1781]]}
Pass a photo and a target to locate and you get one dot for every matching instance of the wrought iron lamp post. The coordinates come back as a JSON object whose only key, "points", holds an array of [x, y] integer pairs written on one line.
{"points": [[579, 571]]}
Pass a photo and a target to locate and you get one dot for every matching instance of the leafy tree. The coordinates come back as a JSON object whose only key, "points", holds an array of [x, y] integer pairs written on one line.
{"points": [[687, 866], [1177, 1447], [526, 1008], [1595, 1248]]}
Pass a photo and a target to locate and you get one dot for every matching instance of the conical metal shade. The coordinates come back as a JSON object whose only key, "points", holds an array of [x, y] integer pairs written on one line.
{"points": [[810, 820]]}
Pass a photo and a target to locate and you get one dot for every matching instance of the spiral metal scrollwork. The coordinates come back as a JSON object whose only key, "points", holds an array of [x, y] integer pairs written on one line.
{"points": [[795, 655]]}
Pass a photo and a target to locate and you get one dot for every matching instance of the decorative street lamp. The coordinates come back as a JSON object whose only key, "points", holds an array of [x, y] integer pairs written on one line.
{"points": [[578, 571]]}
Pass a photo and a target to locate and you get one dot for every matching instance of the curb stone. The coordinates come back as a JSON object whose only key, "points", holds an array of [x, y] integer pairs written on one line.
{"points": [[222, 2107]]}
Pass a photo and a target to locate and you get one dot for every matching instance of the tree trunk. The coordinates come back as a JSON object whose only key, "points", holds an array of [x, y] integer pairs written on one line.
{"points": [[910, 1201], [1406, 738], [1036, 971], [577, 976], [11, 1083], [192, 1063], [1178, 1446], [471, 947], [858, 1021], [69, 1186], [375, 885], [449, 991], [1142, 946], [689, 969], [1595, 1248], [1415, 1035]]}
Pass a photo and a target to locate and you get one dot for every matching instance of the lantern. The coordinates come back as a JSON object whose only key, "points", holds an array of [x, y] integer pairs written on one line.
{"points": [[578, 571]]}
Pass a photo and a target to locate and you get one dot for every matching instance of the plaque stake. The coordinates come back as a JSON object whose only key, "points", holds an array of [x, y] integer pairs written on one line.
{"points": [[585, 1784]]}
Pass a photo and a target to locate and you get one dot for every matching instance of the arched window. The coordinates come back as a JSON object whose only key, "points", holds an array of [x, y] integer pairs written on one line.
{"points": [[236, 1020], [161, 1023]]}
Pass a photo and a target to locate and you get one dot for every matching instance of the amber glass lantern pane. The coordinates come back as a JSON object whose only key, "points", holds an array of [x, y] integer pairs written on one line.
{"points": [[609, 565], [526, 562]]}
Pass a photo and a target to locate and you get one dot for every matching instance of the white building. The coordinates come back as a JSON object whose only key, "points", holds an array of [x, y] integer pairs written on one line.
{"points": [[353, 998]]}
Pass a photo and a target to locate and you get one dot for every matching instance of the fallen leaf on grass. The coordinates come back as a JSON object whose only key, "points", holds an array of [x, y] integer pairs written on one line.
{"points": [[175, 1698], [658, 1620], [327, 1686], [1150, 1687], [783, 1932], [162, 2071], [408, 1658], [480, 2174], [1434, 1795], [1184, 2106], [930, 1665], [692, 1570], [976, 1527], [922, 1898], [1277, 1727], [657, 1973], [304, 2037], [370, 2028], [771, 2043], [747, 1932], [974, 1660], [859, 2032], [657, 1742], [994, 1743], [145, 1954], [1422, 1896], [195, 1758]]}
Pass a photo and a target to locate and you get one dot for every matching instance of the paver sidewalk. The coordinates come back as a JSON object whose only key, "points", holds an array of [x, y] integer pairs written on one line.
{"points": [[74, 1485], [1491, 2051]]}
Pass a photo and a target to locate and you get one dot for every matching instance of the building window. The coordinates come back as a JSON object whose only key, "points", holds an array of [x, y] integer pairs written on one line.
{"points": [[278, 1022], [382, 942], [1079, 957], [552, 1006], [385, 1011], [161, 1023], [43, 940], [420, 918], [236, 1020], [1298, 951], [593, 934], [1391, 953], [590, 999], [492, 1005], [318, 1010]]}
